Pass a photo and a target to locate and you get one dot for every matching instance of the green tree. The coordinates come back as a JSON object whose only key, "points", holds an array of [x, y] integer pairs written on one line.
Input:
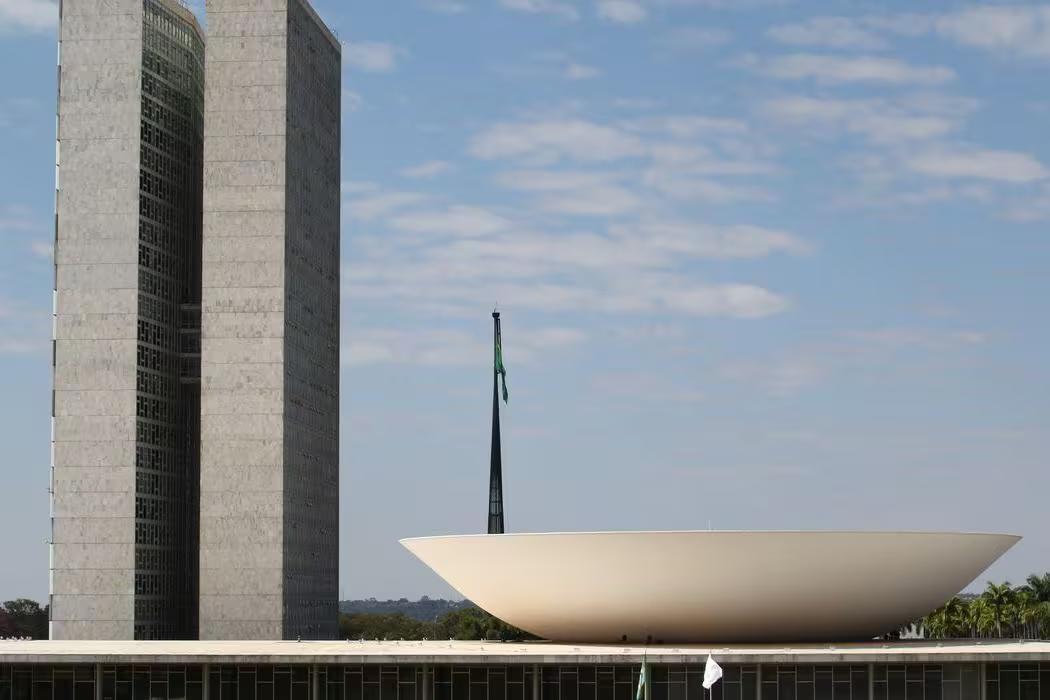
{"points": [[30, 620], [998, 597], [1038, 586]]}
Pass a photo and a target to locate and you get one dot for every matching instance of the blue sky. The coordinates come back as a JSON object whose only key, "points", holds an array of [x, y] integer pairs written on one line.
{"points": [[761, 265]]}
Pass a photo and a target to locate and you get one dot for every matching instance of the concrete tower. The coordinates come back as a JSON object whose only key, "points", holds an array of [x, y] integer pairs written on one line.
{"points": [[127, 293], [270, 324]]}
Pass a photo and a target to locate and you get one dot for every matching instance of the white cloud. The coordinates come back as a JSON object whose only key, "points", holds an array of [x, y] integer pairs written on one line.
{"points": [[429, 169], [447, 7], [879, 120], [1003, 166], [42, 249], [17, 219], [457, 220], [371, 56], [376, 204], [622, 11], [931, 339], [579, 71], [555, 8], [827, 32], [449, 348], [28, 15], [553, 140], [1020, 30], [686, 39], [833, 69]]}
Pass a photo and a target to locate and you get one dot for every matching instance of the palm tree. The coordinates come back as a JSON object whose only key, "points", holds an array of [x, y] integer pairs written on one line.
{"points": [[998, 597], [1038, 586]]}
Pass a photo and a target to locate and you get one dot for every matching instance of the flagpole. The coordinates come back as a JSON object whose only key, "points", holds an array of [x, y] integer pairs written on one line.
{"points": [[495, 457]]}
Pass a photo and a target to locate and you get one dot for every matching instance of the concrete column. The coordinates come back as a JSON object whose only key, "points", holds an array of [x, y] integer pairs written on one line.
{"points": [[758, 683], [982, 680], [204, 674], [426, 682], [536, 679], [98, 681], [315, 692], [871, 681]]}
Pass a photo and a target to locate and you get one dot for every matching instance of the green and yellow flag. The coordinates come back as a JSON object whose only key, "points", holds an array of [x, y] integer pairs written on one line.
{"points": [[642, 681], [500, 369]]}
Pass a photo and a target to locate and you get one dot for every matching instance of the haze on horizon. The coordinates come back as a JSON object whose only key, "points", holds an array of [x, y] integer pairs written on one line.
{"points": [[763, 265]]}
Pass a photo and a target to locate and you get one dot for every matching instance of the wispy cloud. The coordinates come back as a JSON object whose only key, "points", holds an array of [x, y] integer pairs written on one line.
{"points": [[457, 220], [553, 140], [28, 15], [879, 120], [1019, 30], [375, 203], [685, 39], [622, 11], [982, 164], [580, 71], [450, 348], [372, 56], [429, 169], [447, 7], [836, 69], [556, 8], [18, 219], [828, 32]]}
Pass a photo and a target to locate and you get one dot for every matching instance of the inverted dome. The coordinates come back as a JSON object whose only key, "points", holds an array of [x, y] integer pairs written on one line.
{"points": [[710, 586]]}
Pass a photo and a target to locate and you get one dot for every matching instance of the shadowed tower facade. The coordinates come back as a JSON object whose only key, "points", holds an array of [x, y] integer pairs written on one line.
{"points": [[124, 477], [270, 324]]}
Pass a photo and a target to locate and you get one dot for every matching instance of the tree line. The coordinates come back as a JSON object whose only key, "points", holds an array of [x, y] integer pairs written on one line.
{"points": [[1000, 611], [23, 618], [466, 623]]}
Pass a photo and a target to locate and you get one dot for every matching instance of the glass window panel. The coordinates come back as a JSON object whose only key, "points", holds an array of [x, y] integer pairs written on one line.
{"points": [[803, 691], [282, 687], [63, 686], [246, 686], [914, 690], [158, 691], [951, 691], [460, 687], [300, 691], [497, 684], [568, 687], [731, 691], [1029, 690], [1008, 688], [1044, 683], [264, 691]]}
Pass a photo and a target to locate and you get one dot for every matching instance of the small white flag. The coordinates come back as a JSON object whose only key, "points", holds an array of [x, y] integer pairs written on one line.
{"points": [[712, 672]]}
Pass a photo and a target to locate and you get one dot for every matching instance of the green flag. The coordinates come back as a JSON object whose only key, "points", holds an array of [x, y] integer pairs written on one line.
{"points": [[499, 364]]}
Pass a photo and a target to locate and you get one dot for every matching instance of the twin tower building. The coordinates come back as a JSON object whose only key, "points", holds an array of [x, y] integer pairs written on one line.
{"points": [[196, 322]]}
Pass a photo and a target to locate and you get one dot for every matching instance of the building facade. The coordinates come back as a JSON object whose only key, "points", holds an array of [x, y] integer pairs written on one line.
{"points": [[195, 490], [127, 295], [477, 671], [270, 324]]}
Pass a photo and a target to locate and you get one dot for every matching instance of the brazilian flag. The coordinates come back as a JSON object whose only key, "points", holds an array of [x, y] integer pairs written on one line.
{"points": [[500, 369]]}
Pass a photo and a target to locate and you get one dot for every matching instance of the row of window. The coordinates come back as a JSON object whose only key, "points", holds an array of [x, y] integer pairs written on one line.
{"points": [[372, 682]]}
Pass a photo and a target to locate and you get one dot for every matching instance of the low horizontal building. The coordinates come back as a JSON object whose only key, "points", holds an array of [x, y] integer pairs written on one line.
{"points": [[448, 670]]}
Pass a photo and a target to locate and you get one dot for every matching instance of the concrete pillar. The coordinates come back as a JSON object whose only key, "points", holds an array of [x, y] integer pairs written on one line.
{"points": [[204, 674], [426, 682], [315, 684], [536, 680], [871, 681], [982, 680], [98, 681], [758, 683]]}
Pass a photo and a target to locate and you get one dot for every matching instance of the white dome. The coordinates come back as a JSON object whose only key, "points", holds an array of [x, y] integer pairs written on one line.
{"points": [[710, 586]]}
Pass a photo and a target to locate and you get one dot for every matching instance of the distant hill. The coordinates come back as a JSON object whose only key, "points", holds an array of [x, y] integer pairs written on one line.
{"points": [[425, 609]]}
